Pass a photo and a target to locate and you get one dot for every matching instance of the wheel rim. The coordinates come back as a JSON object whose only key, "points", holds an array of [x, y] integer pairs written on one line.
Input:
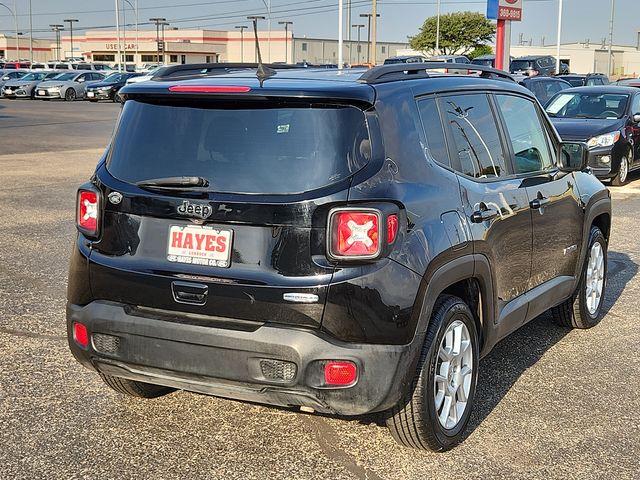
{"points": [[595, 278], [454, 375], [624, 170], [71, 94]]}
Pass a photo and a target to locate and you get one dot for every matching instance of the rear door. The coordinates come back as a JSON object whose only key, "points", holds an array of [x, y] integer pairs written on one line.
{"points": [[494, 200], [635, 129], [557, 213], [251, 244]]}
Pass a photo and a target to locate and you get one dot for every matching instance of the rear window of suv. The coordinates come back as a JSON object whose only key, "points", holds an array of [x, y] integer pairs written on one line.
{"points": [[252, 150]]}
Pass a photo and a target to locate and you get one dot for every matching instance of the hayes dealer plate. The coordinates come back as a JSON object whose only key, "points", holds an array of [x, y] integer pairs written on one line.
{"points": [[200, 245]]}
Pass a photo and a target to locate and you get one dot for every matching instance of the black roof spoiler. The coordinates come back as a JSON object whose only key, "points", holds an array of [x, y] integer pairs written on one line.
{"points": [[198, 70], [411, 71]]}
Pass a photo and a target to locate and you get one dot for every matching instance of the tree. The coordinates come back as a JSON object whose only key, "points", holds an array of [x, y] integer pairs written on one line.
{"points": [[480, 50], [460, 32]]}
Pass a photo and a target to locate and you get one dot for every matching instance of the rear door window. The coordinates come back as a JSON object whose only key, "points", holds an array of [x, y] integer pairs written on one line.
{"points": [[474, 134], [526, 133], [432, 127], [253, 149]]}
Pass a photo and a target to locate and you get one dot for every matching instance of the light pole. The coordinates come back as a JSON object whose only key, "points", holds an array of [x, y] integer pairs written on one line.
{"points": [[19, 34], [164, 44], [438, 29], [267, 4], [158, 21], [57, 29], [368, 16], [613, 8], [340, 35], [286, 24], [242, 28], [374, 32], [15, 17], [359, 27], [559, 34], [124, 27], [71, 21], [254, 19], [30, 33]]}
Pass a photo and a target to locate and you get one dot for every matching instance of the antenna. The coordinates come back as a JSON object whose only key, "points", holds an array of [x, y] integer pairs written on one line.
{"points": [[263, 72]]}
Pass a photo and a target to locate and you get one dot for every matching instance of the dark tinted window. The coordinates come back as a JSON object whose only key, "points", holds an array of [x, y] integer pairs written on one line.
{"points": [[545, 89], [241, 148], [594, 81], [433, 130], [521, 65], [576, 82], [475, 136], [527, 135]]}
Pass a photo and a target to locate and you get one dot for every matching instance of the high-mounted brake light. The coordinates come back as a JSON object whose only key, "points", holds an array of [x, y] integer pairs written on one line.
{"points": [[355, 233], [340, 373], [87, 212], [209, 89]]}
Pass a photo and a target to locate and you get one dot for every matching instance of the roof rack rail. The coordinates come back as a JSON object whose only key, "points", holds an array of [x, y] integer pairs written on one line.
{"points": [[411, 71], [196, 70]]}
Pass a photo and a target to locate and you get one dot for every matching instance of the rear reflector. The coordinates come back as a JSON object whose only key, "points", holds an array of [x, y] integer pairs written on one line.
{"points": [[80, 335], [209, 89], [392, 228], [355, 234], [340, 373], [87, 215]]}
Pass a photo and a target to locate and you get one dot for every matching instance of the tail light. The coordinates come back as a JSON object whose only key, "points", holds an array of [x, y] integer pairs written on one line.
{"points": [[88, 211], [360, 233]]}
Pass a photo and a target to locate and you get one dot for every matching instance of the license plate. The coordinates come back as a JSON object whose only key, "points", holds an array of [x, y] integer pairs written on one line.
{"points": [[42, 92], [9, 91], [90, 94], [200, 245]]}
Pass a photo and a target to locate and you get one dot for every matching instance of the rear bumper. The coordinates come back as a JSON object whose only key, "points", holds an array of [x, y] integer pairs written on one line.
{"points": [[191, 355]]}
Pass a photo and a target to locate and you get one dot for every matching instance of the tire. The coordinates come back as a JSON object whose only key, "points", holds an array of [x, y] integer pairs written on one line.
{"points": [[415, 422], [70, 95], [135, 389], [579, 311], [622, 176]]}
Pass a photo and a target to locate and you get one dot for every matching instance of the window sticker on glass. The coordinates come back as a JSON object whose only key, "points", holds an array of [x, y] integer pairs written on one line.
{"points": [[283, 128]]}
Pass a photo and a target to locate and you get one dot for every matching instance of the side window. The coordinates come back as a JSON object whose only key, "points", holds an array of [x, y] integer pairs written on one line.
{"points": [[635, 105], [432, 126], [527, 134], [475, 137], [594, 81]]}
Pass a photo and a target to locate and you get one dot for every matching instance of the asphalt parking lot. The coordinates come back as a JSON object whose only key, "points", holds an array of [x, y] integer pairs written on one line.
{"points": [[552, 403]]}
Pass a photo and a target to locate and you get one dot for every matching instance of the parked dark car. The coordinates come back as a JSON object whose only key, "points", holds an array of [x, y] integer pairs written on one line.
{"points": [[608, 120], [108, 88], [405, 59], [586, 80], [544, 87], [628, 82], [342, 242], [536, 65]]}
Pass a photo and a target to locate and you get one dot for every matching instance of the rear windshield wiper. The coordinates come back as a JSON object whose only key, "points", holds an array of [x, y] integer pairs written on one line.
{"points": [[174, 183]]}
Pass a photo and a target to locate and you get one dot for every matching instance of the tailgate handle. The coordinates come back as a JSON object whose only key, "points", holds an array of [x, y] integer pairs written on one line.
{"points": [[189, 293]]}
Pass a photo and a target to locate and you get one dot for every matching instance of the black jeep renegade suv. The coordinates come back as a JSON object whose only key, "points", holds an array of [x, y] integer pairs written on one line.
{"points": [[345, 242]]}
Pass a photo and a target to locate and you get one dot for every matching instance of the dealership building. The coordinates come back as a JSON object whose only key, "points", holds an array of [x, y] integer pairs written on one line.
{"points": [[196, 46]]}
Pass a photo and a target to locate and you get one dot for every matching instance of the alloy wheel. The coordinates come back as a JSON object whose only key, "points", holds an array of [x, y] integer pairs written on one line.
{"points": [[453, 375], [594, 283], [624, 169]]}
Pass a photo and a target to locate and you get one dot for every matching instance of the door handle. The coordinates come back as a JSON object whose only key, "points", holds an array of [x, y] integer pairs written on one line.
{"points": [[480, 216], [538, 203], [189, 293]]}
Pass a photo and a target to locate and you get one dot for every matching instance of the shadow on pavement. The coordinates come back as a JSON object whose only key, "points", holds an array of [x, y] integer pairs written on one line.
{"points": [[500, 370]]}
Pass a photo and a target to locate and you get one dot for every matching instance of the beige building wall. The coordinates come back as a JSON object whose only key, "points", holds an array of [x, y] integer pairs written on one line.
{"points": [[323, 51], [41, 48]]}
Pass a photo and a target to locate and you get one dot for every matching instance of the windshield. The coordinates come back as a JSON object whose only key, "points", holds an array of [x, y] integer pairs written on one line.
{"points": [[116, 77], [52, 75], [518, 65], [588, 105], [251, 149], [65, 77], [33, 76]]}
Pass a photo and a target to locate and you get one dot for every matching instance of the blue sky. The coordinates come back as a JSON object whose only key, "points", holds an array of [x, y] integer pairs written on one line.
{"points": [[399, 18]]}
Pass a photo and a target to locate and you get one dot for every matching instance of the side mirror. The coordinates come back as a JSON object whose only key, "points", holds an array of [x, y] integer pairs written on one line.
{"points": [[80, 80], [636, 118], [573, 156]]}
